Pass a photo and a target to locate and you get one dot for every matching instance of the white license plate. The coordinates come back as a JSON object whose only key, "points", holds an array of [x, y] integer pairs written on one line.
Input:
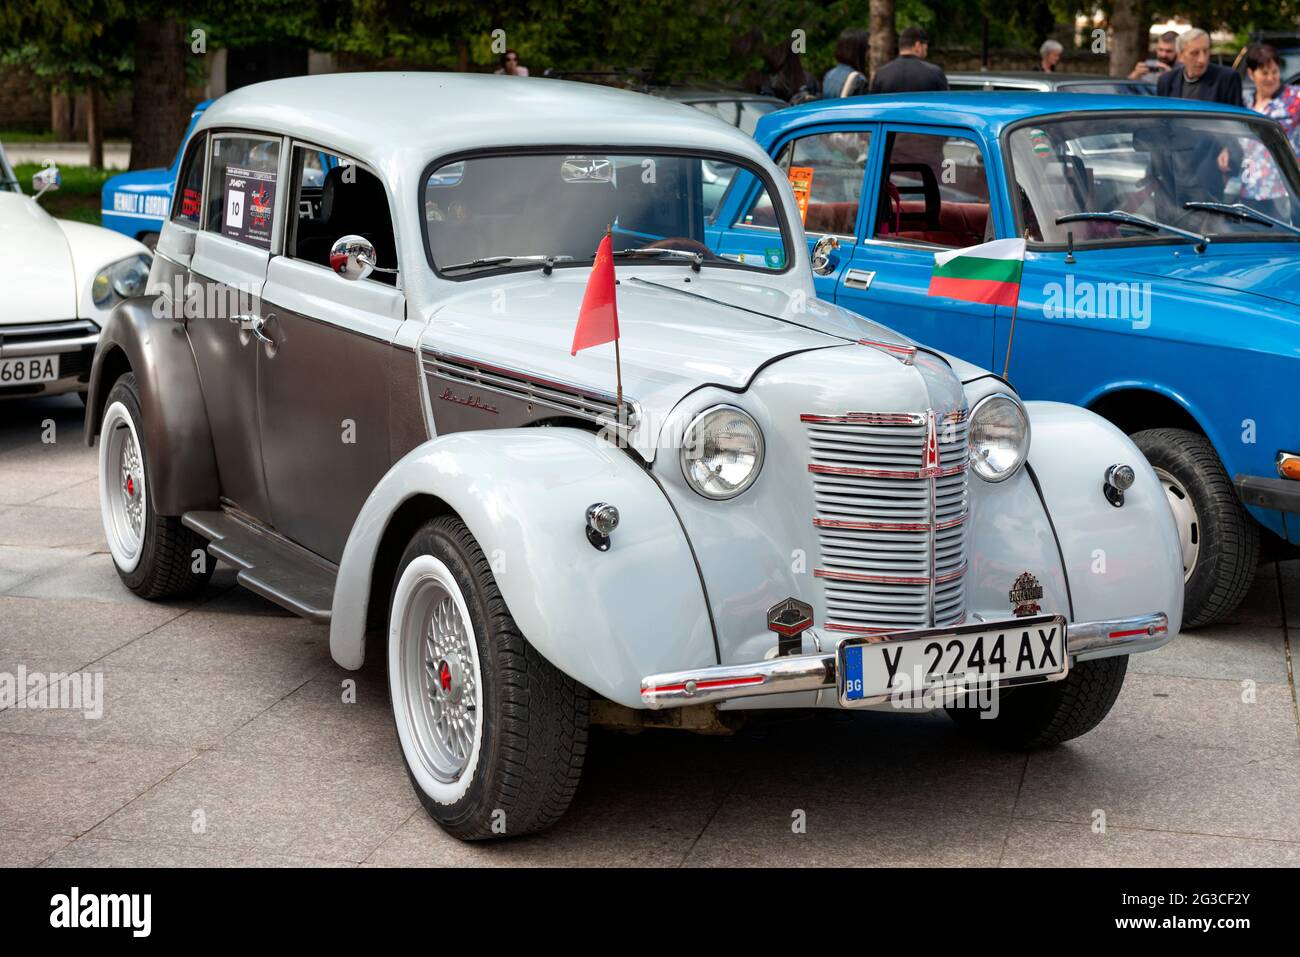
{"points": [[1019, 651], [29, 369]]}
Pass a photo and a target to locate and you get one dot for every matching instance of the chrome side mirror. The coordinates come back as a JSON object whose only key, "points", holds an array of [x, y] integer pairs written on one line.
{"points": [[45, 180], [353, 257], [824, 259]]}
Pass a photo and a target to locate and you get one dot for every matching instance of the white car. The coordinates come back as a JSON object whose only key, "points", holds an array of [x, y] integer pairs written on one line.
{"points": [[60, 279], [776, 503]]}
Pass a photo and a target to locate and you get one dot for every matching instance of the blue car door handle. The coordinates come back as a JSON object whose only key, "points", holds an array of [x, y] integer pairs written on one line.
{"points": [[859, 278]]}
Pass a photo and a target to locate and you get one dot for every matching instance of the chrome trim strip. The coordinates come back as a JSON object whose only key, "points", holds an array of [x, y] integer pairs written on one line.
{"points": [[70, 327], [955, 417], [890, 579], [904, 354], [887, 473], [889, 526], [1084, 640]]}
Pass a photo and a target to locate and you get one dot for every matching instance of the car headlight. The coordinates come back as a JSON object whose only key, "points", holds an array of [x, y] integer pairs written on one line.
{"points": [[722, 452], [999, 437], [123, 279]]}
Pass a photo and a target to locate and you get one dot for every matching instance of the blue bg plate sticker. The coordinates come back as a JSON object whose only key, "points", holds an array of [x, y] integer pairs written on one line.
{"points": [[853, 672], [774, 257]]}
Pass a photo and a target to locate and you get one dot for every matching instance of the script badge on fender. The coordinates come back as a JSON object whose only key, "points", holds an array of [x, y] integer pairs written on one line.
{"points": [[789, 619], [1025, 595]]}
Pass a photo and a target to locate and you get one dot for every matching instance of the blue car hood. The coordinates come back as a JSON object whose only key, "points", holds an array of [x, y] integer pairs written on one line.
{"points": [[140, 181], [1272, 273]]}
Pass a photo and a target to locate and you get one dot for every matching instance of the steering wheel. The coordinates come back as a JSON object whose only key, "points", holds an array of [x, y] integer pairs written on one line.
{"points": [[684, 244]]}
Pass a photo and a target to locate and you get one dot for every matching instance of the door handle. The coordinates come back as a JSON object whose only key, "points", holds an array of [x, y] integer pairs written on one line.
{"points": [[859, 278], [257, 326]]}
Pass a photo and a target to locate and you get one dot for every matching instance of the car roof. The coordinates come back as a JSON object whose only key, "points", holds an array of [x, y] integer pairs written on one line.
{"points": [[383, 116], [986, 112]]}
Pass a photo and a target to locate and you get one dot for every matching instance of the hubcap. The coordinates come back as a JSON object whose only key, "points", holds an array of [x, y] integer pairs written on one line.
{"points": [[1189, 525], [123, 488], [442, 679]]}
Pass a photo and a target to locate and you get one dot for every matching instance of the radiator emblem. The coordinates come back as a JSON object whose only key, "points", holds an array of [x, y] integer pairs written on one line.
{"points": [[930, 460], [1025, 595], [789, 619]]}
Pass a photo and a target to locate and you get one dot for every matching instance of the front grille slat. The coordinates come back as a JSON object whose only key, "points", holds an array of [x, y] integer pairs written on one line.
{"points": [[893, 541]]}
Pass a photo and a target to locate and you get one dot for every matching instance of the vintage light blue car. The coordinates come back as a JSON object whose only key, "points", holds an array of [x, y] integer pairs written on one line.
{"points": [[136, 203], [1159, 284]]}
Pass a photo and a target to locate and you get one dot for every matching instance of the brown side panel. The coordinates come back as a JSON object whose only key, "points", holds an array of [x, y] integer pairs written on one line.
{"points": [[405, 412], [226, 357], [324, 423], [178, 444]]}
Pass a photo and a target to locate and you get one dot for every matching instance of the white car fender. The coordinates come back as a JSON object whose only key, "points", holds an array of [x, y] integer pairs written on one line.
{"points": [[92, 248], [605, 618], [1119, 561]]}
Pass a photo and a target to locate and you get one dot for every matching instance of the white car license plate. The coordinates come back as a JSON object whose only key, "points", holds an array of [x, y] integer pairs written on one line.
{"points": [[28, 369], [872, 669]]}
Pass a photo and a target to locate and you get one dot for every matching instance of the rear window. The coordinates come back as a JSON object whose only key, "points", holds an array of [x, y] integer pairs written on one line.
{"points": [[187, 205]]}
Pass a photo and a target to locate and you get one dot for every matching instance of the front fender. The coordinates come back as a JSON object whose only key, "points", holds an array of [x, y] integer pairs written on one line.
{"points": [[178, 440], [606, 619], [1119, 562]]}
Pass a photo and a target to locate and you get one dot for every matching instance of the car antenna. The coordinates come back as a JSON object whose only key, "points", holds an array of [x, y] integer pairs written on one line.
{"points": [[1069, 247]]}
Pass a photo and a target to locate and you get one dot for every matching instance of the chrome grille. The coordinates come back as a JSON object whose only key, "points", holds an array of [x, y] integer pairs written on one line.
{"points": [[892, 536]]}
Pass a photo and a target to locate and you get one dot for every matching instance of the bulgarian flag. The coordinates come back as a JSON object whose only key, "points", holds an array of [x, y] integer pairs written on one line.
{"points": [[989, 272]]}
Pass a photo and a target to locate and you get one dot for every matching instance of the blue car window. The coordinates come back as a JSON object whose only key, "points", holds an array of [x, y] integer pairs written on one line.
{"points": [[825, 171], [935, 191]]}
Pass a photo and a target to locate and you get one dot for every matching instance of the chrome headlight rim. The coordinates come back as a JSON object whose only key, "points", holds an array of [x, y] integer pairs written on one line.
{"points": [[688, 443], [979, 465], [109, 284]]}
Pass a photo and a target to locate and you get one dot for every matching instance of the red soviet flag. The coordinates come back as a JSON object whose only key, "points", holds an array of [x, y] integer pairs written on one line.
{"points": [[598, 318]]}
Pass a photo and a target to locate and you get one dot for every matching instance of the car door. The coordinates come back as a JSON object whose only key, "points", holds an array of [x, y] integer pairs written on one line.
{"points": [[930, 192], [826, 168], [324, 365], [228, 266]]}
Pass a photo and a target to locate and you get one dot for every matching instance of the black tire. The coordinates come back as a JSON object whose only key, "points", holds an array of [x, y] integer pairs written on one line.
{"points": [[1228, 537], [1044, 716], [168, 555], [534, 718]]}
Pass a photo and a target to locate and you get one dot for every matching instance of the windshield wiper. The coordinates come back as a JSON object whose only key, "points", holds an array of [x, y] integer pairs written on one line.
{"points": [[1119, 216], [546, 262], [1242, 211], [659, 252]]}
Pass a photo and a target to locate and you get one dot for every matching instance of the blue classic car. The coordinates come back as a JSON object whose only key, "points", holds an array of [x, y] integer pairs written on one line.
{"points": [[1159, 285], [136, 203]]}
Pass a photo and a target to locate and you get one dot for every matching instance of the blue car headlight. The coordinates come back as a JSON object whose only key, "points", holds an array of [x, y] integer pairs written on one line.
{"points": [[122, 280]]}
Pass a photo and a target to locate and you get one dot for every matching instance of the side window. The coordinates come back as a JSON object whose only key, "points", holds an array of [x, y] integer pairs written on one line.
{"points": [[242, 187], [936, 191], [825, 171], [335, 196], [187, 205]]}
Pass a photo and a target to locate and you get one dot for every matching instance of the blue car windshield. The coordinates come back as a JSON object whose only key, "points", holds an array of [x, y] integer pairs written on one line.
{"points": [[1152, 166]]}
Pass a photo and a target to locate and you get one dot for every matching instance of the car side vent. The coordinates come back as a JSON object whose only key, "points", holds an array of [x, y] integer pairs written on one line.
{"points": [[563, 397]]}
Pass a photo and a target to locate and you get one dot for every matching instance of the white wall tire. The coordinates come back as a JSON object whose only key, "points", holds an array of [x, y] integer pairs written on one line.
{"points": [[435, 681], [513, 769]]}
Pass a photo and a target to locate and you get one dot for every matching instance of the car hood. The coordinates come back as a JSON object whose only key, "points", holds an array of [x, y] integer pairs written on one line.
{"points": [[36, 269], [675, 336], [1272, 274]]}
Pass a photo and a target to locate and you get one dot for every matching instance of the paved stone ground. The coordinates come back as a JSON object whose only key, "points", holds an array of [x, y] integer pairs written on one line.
{"points": [[227, 708]]}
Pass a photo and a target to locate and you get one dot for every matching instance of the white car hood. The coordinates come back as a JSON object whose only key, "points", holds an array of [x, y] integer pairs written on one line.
{"points": [[675, 337], [35, 264]]}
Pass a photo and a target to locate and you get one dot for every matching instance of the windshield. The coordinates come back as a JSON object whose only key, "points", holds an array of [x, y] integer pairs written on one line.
{"points": [[560, 206], [1152, 166]]}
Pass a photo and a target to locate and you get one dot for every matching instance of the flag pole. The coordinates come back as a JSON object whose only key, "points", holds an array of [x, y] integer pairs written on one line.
{"points": [[618, 361], [1006, 363]]}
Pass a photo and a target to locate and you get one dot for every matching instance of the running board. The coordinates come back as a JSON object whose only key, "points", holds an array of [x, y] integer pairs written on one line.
{"points": [[268, 564]]}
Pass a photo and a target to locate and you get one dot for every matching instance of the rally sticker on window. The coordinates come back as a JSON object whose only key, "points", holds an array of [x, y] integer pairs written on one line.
{"points": [[801, 182], [1041, 142], [250, 200]]}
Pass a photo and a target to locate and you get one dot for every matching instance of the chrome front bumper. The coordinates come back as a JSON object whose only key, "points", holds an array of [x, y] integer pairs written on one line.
{"points": [[1084, 640]]}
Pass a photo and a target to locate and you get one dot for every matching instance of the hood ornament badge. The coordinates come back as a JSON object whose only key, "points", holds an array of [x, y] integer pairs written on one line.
{"points": [[1025, 595], [789, 619]]}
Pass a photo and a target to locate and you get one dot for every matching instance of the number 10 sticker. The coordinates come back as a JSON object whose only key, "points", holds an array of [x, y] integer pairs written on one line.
{"points": [[235, 209]]}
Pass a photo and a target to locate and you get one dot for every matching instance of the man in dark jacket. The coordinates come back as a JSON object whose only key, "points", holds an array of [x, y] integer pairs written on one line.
{"points": [[910, 73], [1195, 77]]}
